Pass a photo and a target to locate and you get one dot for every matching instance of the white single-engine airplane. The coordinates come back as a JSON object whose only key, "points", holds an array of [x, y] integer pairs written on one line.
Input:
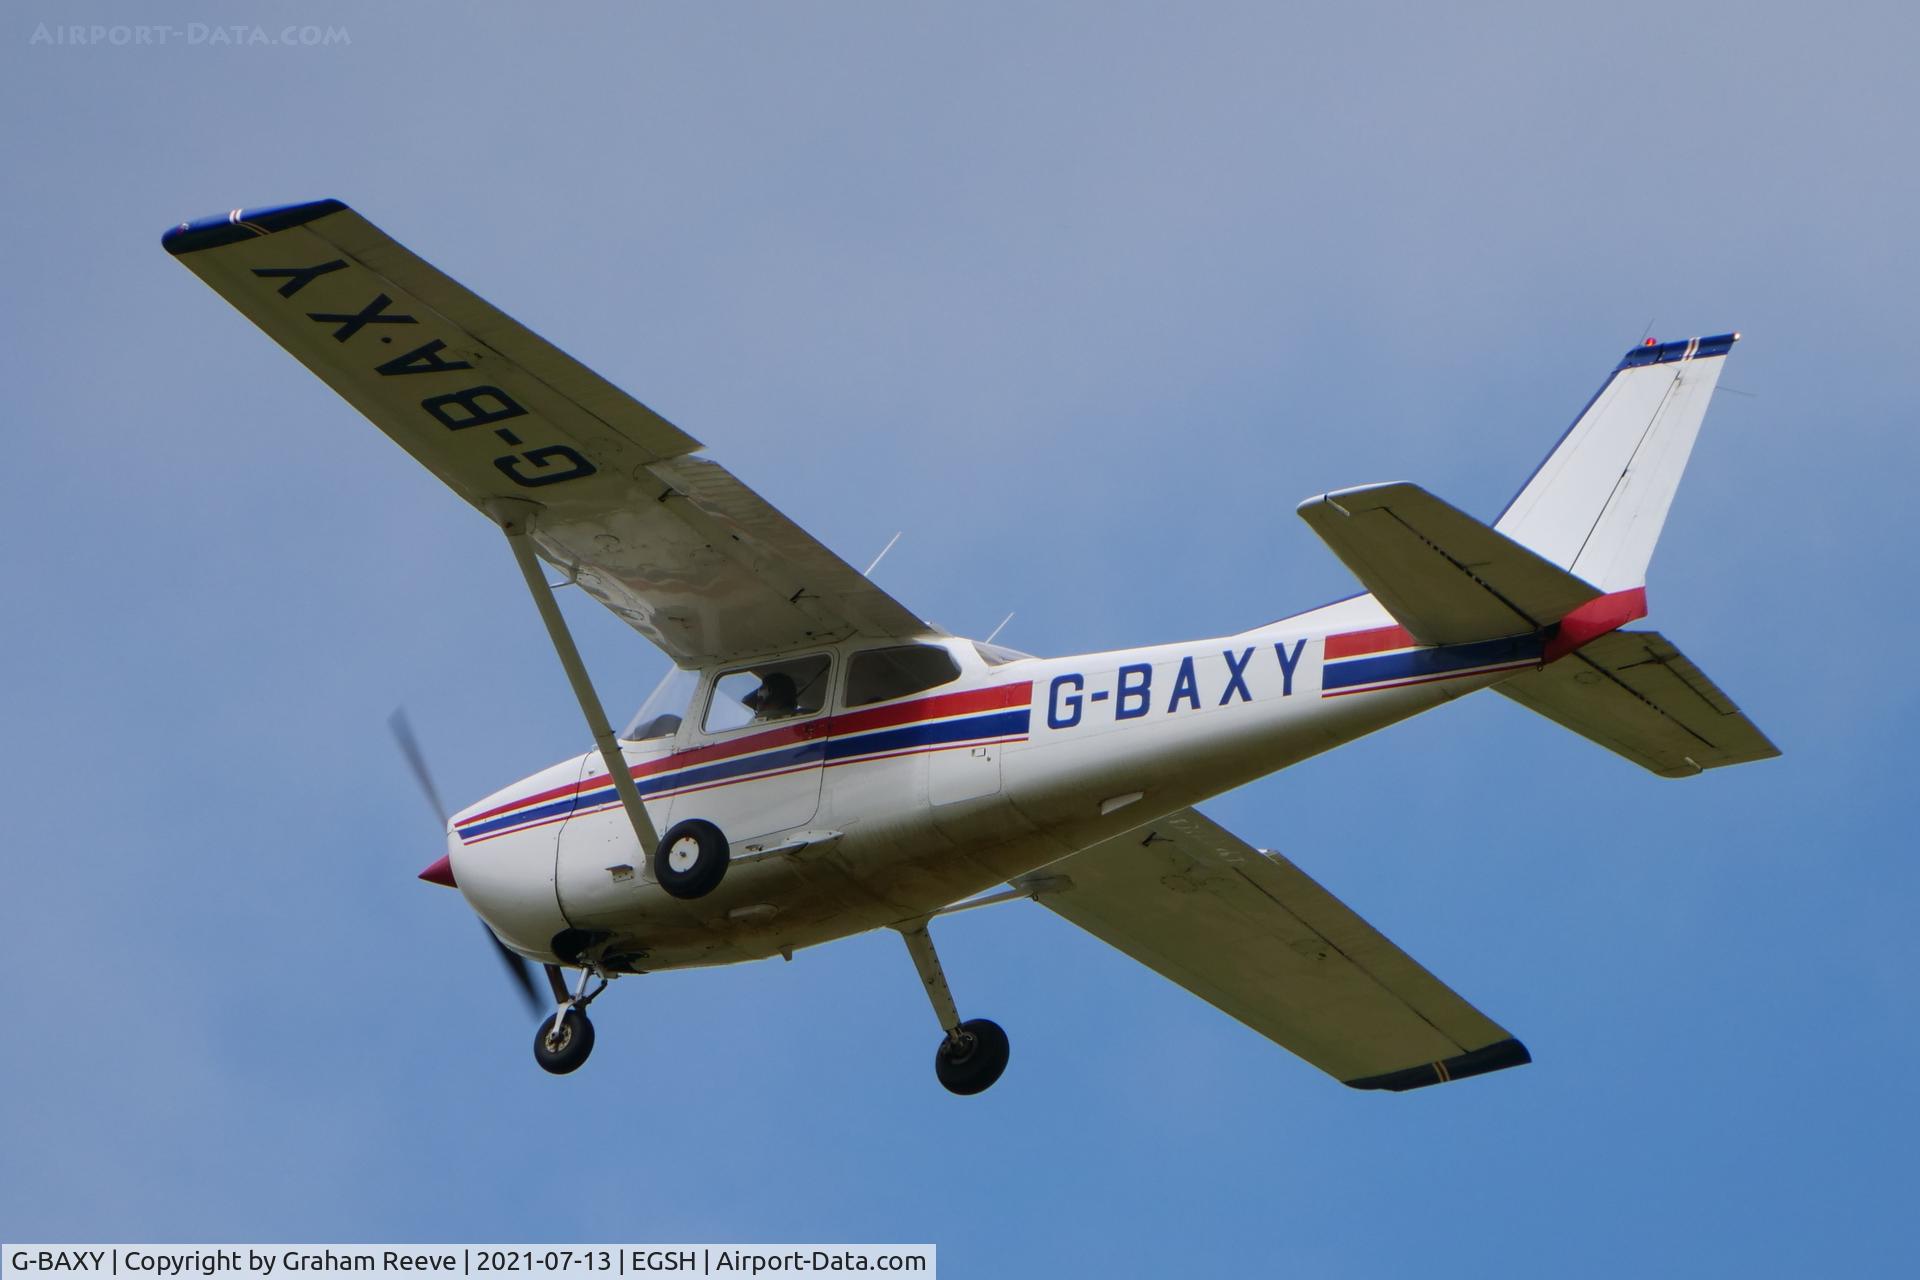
{"points": [[823, 762]]}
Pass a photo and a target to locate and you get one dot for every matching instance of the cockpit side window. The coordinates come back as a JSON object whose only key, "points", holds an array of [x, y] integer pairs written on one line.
{"points": [[767, 692], [880, 674]]}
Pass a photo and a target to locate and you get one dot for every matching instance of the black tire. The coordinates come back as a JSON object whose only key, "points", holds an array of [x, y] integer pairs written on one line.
{"points": [[566, 1051], [972, 1064], [691, 860]]}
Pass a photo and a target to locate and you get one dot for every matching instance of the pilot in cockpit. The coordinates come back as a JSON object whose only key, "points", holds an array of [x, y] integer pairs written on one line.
{"points": [[775, 699]]}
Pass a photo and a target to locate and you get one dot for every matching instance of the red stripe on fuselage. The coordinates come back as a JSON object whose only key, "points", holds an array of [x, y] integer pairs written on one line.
{"points": [[997, 698], [994, 698]]}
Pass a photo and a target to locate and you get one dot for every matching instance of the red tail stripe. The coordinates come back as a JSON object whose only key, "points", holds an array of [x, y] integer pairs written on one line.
{"points": [[1594, 619], [1590, 621], [1352, 644]]}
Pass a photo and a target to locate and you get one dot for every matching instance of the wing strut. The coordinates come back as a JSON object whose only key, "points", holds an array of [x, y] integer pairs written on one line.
{"points": [[516, 521]]}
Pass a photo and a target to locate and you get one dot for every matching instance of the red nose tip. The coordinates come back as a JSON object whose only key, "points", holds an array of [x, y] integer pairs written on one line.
{"points": [[440, 872]]}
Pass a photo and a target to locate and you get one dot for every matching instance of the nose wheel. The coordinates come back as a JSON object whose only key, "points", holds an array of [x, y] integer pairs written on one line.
{"points": [[562, 1042]]}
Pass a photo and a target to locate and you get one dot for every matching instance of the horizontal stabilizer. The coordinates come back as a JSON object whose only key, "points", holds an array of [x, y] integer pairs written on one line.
{"points": [[1635, 694], [1254, 936], [1444, 576]]}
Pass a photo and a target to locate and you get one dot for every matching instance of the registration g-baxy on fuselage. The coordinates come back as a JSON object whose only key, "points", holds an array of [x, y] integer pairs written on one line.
{"points": [[821, 761]]}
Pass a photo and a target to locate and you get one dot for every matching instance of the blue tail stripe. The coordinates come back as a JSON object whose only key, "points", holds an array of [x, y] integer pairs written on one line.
{"points": [[1667, 352], [1441, 660]]}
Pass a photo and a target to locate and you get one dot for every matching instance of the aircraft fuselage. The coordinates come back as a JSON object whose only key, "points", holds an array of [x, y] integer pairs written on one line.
{"points": [[853, 819]]}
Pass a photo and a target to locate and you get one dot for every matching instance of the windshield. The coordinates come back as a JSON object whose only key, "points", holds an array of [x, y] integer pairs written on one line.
{"points": [[659, 716]]}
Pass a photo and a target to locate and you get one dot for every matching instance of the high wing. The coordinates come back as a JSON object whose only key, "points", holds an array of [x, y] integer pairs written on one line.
{"points": [[1253, 935], [686, 554]]}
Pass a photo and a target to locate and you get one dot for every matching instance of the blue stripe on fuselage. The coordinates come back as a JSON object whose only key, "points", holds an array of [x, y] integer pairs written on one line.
{"points": [[1002, 724]]}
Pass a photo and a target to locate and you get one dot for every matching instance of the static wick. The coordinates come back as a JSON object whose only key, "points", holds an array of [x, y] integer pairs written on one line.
{"points": [[868, 571]]}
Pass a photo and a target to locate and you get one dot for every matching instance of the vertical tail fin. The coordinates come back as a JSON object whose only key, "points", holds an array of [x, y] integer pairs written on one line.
{"points": [[1596, 505]]}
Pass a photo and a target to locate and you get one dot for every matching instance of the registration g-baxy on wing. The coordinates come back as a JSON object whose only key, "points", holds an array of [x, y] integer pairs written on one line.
{"points": [[821, 761]]}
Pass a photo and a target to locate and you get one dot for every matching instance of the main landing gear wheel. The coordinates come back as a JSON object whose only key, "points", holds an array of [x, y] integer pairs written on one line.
{"points": [[691, 859], [564, 1049], [972, 1058]]}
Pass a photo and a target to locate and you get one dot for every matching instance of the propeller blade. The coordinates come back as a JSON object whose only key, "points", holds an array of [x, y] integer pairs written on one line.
{"points": [[410, 748], [521, 971], [442, 872]]}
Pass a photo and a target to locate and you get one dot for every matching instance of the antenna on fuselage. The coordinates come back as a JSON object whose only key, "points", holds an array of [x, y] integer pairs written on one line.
{"points": [[868, 571], [997, 630]]}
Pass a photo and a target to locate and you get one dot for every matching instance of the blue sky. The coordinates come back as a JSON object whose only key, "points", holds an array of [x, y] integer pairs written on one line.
{"points": [[1084, 300]]}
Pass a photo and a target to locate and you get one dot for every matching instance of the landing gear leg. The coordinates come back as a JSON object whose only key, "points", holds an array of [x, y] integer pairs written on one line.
{"points": [[562, 1042], [973, 1053]]}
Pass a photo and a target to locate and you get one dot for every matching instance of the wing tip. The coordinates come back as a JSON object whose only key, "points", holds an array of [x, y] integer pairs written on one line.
{"points": [[1476, 1062], [217, 229]]}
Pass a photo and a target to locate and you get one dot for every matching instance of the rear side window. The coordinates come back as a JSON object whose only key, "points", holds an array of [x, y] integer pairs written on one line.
{"points": [[880, 674]]}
